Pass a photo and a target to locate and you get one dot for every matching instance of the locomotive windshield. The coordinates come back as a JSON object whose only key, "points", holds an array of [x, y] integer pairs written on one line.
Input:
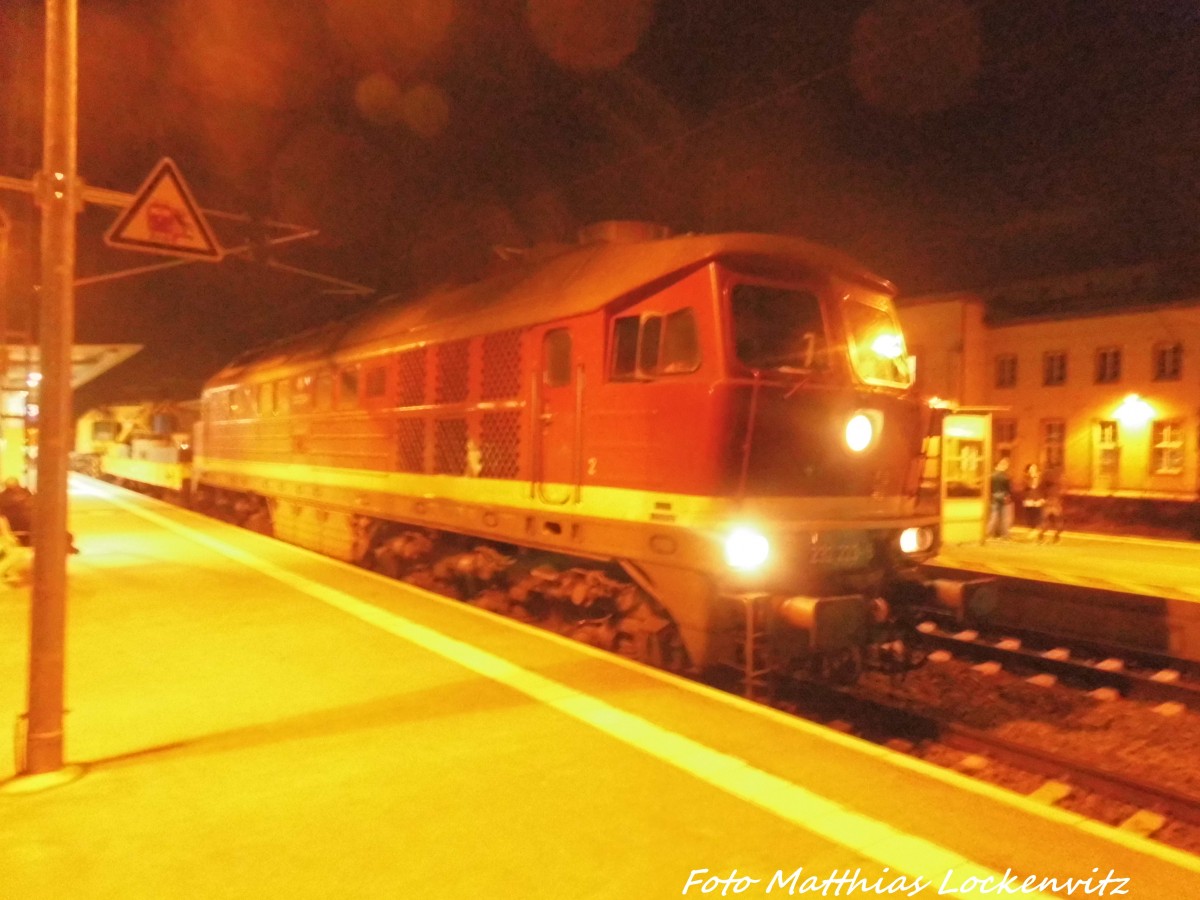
{"points": [[777, 328], [877, 345]]}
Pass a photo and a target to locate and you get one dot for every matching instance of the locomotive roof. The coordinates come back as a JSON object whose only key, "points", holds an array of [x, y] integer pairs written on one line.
{"points": [[576, 281]]}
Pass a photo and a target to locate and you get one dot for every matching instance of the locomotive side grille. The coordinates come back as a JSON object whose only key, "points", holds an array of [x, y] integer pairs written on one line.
{"points": [[501, 367], [500, 444], [450, 447], [452, 373], [410, 381], [410, 445]]}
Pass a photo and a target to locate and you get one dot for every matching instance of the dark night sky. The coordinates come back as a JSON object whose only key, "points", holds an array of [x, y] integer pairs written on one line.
{"points": [[945, 143]]}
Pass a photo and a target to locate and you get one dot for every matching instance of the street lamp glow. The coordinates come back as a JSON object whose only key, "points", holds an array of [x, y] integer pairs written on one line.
{"points": [[1134, 411]]}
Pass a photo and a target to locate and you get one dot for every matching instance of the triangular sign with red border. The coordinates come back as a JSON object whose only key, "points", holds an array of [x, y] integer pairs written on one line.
{"points": [[164, 218]]}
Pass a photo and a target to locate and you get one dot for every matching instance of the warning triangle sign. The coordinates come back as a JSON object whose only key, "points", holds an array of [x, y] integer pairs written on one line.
{"points": [[164, 218]]}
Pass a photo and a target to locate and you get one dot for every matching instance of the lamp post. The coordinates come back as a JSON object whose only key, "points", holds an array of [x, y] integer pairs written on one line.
{"points": [[59, 196]]}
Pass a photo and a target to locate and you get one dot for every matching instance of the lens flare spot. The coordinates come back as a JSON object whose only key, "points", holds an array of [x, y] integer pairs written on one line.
{"points": [[583, 35]]}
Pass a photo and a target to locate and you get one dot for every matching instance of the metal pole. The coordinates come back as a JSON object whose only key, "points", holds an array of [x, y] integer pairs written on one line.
{"points": [[5, 233], [59, 201]]}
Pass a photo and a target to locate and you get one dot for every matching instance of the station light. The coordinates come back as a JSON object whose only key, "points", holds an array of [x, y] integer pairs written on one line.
{"points": [[746, 549], [1134, 411]]}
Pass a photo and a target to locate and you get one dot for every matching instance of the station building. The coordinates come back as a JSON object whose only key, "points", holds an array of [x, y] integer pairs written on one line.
{"points": [[1094, 376]]}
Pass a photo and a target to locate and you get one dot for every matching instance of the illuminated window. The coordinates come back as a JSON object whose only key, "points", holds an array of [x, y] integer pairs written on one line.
{"points": [[1166, 456], [1108, 365], [1168, 361], [1054, 444], [1054, 368], [1006, 370]]}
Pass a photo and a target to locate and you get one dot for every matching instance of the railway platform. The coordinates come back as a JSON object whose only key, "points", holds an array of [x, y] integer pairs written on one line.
{"points": [[1135, 565], [253, 720], [1140, 592]]}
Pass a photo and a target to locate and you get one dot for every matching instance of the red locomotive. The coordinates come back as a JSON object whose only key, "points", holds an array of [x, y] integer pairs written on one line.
{"points": [[724, 423]]}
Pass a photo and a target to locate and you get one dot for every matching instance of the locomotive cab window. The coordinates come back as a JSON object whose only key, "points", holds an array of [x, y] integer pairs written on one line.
{"points": [[650, 345], [777, 328], [877, 349], [556, 358], [681, 344]]}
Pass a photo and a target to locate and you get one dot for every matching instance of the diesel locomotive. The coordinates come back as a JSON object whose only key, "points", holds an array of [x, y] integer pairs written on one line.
{"points": [[726, 424]]}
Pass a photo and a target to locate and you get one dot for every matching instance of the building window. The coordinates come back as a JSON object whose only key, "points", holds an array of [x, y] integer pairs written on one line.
{"points": [[1168, 362], [1166, 454], [1054, 444], [1054, 368], [1108, 365], [1006, 370], [1004, 436], [1108, 453]]}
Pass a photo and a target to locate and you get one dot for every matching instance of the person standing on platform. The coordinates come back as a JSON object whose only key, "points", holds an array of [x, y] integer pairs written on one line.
{"points": [[1033, 499], [1001, 493], [1052, 512], [16, 505]]}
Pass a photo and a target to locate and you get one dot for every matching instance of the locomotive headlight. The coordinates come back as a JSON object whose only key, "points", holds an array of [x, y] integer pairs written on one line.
{"points": [[860, 432], [746, 549], [916, 540]]}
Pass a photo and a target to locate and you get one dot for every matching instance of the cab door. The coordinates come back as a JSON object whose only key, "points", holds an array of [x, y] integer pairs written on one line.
{"points": [[557, 419]]}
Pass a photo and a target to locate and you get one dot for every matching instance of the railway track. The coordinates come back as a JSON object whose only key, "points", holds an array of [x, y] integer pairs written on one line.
{"points": [[1134, 674], [906, 728]]}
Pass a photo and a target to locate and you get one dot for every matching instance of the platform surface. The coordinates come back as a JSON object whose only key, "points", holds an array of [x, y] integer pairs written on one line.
{"points": [[253, 720], [1154, 568]]}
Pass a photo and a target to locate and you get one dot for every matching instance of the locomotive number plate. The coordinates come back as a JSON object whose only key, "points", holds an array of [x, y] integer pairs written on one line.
{"points": [[840, 550]]}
